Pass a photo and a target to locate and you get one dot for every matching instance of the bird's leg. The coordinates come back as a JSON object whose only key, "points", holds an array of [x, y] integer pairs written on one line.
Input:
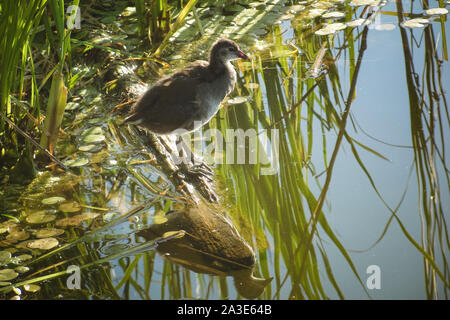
{"points": [[198, 167]]}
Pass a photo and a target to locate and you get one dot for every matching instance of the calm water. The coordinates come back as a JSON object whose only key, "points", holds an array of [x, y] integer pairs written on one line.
{"points": [[111, 185]]}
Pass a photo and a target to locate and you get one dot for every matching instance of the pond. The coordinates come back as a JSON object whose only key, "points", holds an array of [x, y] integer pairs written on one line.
{"points": [[345, 103]]}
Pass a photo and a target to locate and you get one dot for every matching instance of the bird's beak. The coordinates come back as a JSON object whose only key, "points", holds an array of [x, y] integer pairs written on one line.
{"points": [[242, 55]]}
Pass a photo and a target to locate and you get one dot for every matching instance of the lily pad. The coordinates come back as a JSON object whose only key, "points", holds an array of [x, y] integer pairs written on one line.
{"points": [[87, 147], [72, 105], [24, 257], [92, 131], [40, 217], [18, 235], [7, 226], [76, 162], [70, 206], [297, 8], [436, 11], [31, 288], [313, 13], [334, 14], [420, 20], [365, 2], [415, 23], [48, 232], [22, 269], [5, 257], [23, 244], [7, 274], [94, 138], [52, 200], [330, 29], [43, 244]]}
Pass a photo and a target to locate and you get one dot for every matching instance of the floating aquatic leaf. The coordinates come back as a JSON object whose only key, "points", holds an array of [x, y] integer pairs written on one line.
{"points": [[296, 8], [31, 287], [5, 257], [40, 217], [385, 27], [70, 206], [17, 291], [330, 29], [72, 105], [49, 232], [159, 219], [92, 131], [23, 244], [24, 257], [334, 14], [15, 298], [43, 244], [322, 4], [7, 225], [4, 283], [76, 162], [22, 269], [18, 235], [436, 11], [87, 147], [365, 2], [7, 274], [94, 138], [52, 200], [420, 20], [413, 23], [16, 260], [315, 13]]}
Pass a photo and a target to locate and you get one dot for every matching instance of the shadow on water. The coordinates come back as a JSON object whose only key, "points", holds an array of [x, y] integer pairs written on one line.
{"points": [[271, 237]]}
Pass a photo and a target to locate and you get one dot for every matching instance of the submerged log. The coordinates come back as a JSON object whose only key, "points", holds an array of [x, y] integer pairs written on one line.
{"points": [[211, 245]]}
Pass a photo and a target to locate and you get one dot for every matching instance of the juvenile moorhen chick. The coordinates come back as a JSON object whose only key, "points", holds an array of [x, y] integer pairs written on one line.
{"points": [[190, 97]]}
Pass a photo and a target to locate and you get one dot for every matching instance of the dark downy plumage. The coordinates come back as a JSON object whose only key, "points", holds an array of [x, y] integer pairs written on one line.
{"points": [[190, 97]]}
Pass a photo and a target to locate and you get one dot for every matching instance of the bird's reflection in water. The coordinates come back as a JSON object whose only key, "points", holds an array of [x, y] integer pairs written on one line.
{"points": [[211, 244]]}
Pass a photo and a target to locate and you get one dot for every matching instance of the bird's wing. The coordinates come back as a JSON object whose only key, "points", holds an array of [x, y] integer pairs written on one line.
{"points": [[171, 102]]}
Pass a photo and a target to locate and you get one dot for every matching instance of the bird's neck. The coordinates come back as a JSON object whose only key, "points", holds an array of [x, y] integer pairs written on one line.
{"points": [[218, 66]]}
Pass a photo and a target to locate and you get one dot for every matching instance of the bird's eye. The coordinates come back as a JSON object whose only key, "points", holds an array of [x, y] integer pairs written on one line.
{"points": [[231, 49]]}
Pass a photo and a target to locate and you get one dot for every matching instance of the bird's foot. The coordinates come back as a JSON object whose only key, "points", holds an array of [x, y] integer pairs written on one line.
{"points": [[198, 170]]}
